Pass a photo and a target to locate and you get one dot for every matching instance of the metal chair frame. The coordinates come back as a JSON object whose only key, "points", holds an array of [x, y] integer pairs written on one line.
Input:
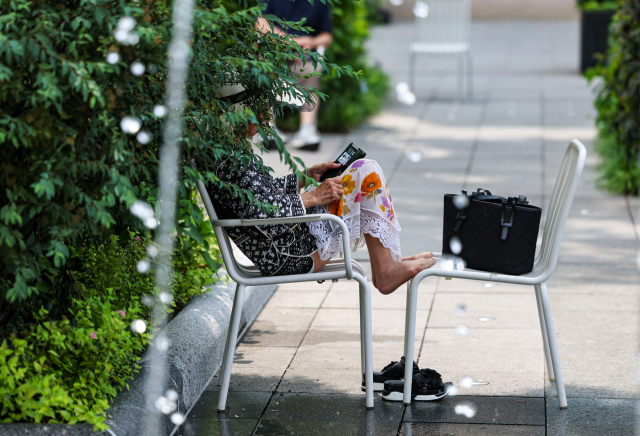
{"points": [[544, 266], [444, 31], [248, 275]]}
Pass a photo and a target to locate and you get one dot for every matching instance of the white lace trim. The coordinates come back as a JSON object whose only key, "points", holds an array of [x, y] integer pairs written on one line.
{"points": [[329, 240]]}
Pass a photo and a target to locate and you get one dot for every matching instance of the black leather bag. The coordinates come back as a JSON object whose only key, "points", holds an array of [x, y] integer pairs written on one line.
{"points": [[496, 234]]}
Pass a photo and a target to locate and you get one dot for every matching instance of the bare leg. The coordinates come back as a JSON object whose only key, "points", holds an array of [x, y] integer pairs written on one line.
{"points": [[389, 274], [311, 116]]}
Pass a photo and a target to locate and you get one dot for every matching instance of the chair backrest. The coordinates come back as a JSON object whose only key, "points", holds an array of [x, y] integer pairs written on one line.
{"points": [[442, 21], [559, 205], [224, 244]]}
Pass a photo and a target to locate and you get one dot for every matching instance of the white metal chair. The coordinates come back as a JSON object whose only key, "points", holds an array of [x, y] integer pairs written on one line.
{"points": [[543, 268], [248, 275], [443, 28]]}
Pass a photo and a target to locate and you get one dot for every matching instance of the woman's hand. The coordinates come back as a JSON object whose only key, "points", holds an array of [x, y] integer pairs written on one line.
{"points": [[316, 171], [329, 191]]}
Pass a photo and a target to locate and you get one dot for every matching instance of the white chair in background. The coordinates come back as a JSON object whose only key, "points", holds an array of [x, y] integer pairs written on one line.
{"points": [[443, 28], [543, 267], [248, 275]]}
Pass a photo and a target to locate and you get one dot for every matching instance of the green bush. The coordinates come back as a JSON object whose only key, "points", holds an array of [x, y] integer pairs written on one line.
{"points": [[349, 102], [67, 369], [599, 5], [618, 102]]}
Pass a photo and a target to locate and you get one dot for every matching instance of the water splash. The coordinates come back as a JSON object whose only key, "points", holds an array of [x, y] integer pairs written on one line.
{"points": [[455, 244], [113, 57], [461, 201], [404, 94], [467, 409], [421, 10], [461, 309], [138, 326], [137, 68]]}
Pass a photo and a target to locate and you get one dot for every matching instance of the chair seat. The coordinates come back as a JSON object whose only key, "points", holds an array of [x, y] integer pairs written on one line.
{"points": [[439, 48], [442, 269]]}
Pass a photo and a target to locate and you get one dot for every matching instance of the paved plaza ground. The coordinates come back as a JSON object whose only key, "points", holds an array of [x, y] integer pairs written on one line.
{"points": [[297, 370]]}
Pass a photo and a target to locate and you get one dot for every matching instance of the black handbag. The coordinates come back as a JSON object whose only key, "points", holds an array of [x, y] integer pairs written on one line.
{"points": [[493, 233]]}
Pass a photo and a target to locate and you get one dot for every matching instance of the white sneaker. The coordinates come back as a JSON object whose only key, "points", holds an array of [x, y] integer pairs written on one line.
{"points": [[257, 139], [307, 138]]}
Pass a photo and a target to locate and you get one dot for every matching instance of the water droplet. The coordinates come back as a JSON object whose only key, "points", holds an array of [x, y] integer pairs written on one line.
{"points": [[461, 310], [171, 395], [480, 383], [151, 223], [421, 10], [462, 330], [452, 390], [461, 201], [159, 111], [467, 409], [163, 343], [460, 264], [139, 326], [137, 68], [486, 318], [414, 155], [466, 382], [142, 210], [147, 300], [113, 57], [448, 265], [130, 125], [152, 251], [584, 211], [177, 418], [143, 266], [133, 39], [396, 2], [121, 35], [455, 244], [165, 297], [490, 285], [144, 137], [126, 23], [404, 94]]}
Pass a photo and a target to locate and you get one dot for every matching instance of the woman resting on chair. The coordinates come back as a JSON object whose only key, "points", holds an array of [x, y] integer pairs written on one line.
{"points": [[360, 196]]}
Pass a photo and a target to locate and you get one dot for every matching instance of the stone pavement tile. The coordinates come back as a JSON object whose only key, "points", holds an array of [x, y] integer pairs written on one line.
{"points": [[319, 369], [244, 405], [333, 407], [296, 299], [480, 287], [592, 417], [269, 427], [217, 427], [511, 360], [305, 287], [348, 298], [429, 429], [279, 327], [257, 369], [489, 410], [486, 310], [386, 323], [580, 278]]}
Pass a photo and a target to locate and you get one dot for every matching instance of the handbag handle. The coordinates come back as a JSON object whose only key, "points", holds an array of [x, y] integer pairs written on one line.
{"points": [[485, 195]]}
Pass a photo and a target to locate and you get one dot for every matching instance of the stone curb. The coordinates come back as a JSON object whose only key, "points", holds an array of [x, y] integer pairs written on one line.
{"points": [[198, 335]]}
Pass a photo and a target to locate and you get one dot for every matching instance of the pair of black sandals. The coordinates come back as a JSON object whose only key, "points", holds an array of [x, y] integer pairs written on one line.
{"points": [[426, 384]]}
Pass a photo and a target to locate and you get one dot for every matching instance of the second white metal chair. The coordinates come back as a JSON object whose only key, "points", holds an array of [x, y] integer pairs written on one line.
{"points": [[248, 275], [443, 28], [544, 266]]}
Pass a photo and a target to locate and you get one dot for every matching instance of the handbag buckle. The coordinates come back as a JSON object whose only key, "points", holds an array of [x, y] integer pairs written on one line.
{"points": [[506, 218]]}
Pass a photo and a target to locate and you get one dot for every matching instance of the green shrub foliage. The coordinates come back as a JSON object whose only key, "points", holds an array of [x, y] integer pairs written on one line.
{"points": [[618, 102], [66, 369], [69, 172]]}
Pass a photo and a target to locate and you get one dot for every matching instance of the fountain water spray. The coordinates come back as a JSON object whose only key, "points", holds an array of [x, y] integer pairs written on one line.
{"points": [[179, 54]]}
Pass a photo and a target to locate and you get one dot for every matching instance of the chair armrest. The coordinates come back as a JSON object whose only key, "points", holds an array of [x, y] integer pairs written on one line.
{"points": [[297, 219]]}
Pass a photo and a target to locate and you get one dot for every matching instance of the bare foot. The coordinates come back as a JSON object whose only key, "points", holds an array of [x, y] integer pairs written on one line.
{"points": [[397, 273], [423, 255]]}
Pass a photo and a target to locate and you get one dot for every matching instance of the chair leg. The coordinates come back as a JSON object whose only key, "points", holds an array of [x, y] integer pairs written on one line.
{"points": [[412, 67], [553, 346], [406, 320], [409, 339], [232, 338], [545, 337], [365, 310], [469, 75], [224, 354], [362, 338]]}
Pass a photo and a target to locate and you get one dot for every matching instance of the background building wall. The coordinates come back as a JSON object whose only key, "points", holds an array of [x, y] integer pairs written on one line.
{"points": [[503, 9]]}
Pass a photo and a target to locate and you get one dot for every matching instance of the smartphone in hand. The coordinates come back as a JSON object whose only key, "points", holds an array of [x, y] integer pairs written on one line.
{"points": [[351, 154]]}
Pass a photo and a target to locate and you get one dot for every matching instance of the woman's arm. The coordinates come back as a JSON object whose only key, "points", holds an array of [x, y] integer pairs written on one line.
{"points": [[329, 191]]}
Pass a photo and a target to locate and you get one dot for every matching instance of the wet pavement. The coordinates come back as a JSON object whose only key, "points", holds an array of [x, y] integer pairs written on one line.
{"points": [[297, 370]]}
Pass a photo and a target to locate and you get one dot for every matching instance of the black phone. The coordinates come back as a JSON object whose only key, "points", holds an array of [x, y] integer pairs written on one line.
{"points": [[351, 154]]}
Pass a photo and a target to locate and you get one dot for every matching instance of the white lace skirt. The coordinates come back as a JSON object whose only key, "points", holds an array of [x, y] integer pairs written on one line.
{"points": [[365, 207]]}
